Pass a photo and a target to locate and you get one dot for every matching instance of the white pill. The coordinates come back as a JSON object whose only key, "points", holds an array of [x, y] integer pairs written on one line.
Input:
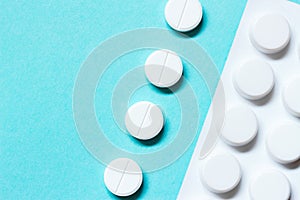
{"points": [[144, 120], [254, 80], [183, 15], [291, 97], [123, 177], [270, 185], [270, 34], [283, 143], [221, 173], [163, 68], [240, 126]]}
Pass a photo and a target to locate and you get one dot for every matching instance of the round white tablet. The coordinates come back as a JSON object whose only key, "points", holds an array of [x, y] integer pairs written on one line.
{"points": [[221, 173], [270, 185], [163, 68], [270, 34], [283, 143], [291, 97], [240, 126], [254, 80], [144, 120], [123, 177], [183, 15]]}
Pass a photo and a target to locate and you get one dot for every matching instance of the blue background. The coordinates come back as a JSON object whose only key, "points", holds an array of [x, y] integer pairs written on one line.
{"points": [[42, 45]]}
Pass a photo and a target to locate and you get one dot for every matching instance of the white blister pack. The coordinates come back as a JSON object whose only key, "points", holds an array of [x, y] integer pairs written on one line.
{"points": [[257, 153]]}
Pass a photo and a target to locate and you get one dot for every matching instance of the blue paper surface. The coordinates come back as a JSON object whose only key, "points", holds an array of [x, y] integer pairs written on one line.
{"points": [[42, 45]]}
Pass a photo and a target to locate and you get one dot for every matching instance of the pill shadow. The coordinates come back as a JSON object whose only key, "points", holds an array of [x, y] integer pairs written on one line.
{"points": [[293, 165], [156, 139], [280, 54], [248, 146], [265, 100], [230, 194], [199, 29], [170, 90]]}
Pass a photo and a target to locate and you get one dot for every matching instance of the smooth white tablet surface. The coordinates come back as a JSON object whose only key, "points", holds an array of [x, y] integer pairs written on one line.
{"points": [[221, 173], [270, 34], [144, 120], [283, 143], [254, 80], [291, 97], [123, 177], [240, 126], [270, 185], [183, 15], [299, 51], [163, 68]]}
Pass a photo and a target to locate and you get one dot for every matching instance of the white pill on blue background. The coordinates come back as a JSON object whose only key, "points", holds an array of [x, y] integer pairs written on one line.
{"points": [[270, 34], [270, 185], [291, 97], [123, 177], [183, 15], [254, 80], [221, 173], [144, 120], [163, 68], [240, 126], [283, 143]]}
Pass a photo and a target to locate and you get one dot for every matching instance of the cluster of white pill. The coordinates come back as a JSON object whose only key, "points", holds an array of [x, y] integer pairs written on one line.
{"points": [[270, 35], [254, 80], [144, 120], [249, 136]]}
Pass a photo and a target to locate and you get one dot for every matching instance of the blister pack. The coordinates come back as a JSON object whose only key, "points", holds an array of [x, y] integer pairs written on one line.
{"points": [[257, 148]]}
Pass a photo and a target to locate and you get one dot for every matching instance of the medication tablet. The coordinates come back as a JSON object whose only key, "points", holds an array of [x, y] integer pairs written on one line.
{"points": [[144, 120], [291, 97], [270, 34], [163, 68], [254, 80], [221, 173], [270, 185], [240, 126], [283, 143], [123, 177], [183, 15]]}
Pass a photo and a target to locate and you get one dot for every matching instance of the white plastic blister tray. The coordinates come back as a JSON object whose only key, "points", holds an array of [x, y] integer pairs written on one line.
{"points": [[253, 158]]}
